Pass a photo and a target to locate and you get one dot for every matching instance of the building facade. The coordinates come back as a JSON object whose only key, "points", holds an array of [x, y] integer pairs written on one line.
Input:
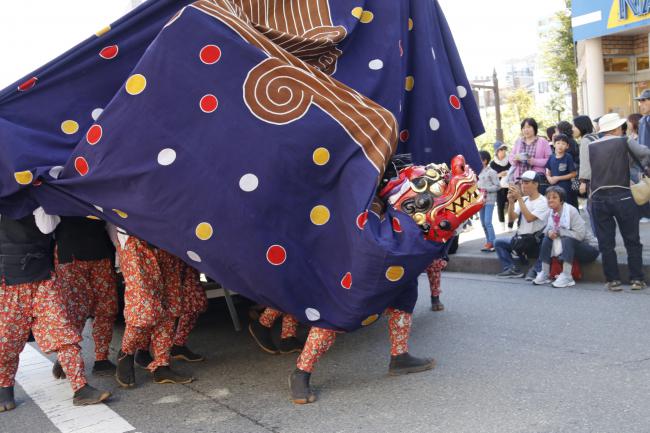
{"points": [[612, 53]]}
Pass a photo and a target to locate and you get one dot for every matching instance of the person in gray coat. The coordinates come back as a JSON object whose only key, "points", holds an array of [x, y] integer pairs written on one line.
{"points": [[488, 182]]}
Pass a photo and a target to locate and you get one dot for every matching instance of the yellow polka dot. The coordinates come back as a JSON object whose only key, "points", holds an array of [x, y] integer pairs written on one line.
{"points": [[370, 320], [321, 156], [69, 127], [103, 31], [93, 217], [320, 215], [204, 231], [136, 84], [357, 12], [394, 273], [122, 214], [409, 83], [24, 177], [367, 17], [410, 24]]}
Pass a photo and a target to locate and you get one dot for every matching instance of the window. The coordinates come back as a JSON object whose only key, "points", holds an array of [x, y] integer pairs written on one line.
{"points": [[642, 63], [617, 64]]}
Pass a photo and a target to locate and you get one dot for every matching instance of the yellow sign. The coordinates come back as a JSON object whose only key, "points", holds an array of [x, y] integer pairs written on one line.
{"points": [[630, 15]]}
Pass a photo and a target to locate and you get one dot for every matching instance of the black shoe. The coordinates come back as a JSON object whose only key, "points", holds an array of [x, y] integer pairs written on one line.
{"points": [[164, 374], [262, 336], [436, 305], [511, 273], [57, 370], [290, 345], [405, 364], [89, 395], [143, 358], [185, 354], [125, 373], [301, 392], [7, 401], [104, 368]]}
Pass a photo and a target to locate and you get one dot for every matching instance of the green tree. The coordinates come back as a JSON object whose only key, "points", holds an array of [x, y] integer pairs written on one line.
{"points": [[559, 54]]}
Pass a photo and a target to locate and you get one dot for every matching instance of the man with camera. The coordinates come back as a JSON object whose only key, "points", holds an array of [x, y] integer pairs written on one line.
{"points": [[529, 208]]}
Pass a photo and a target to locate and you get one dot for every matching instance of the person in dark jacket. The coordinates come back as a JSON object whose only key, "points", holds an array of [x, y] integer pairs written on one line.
{"points": [[32, 299], [501, 165]]}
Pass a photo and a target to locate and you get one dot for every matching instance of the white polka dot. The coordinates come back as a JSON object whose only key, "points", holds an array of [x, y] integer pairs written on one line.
{"points": [[193, 256], [96, 113], [428, 150], [166, 156], [462, 91], [433, 53], [55, 172], [312, 314], [249, 182], [376, 64], [98, 208], [434, 124]]}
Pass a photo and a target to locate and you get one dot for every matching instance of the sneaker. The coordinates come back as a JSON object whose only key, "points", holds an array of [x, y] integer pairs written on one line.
{"points": [[511, 273], [405, 364], [563, 280], [637, 285], [185, 354], [143, 358], [644, 220], [89, 395], [290, 345], [531, 274], [57, 370], [614, 286], [125, 373], [299, 387], [262, 336], [436, 305], [488, 248], [7, 401], [164, 374], [541, 279], [104, 368]]}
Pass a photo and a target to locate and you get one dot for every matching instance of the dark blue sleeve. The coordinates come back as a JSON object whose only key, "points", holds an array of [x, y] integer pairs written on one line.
{"points": [[570, 164]]}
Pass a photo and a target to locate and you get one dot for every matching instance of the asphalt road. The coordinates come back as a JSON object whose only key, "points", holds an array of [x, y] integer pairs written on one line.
{"points": [[511, 358]]}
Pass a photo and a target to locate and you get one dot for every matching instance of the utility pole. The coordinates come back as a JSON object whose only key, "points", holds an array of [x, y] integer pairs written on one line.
{"points": [[497, 102]]}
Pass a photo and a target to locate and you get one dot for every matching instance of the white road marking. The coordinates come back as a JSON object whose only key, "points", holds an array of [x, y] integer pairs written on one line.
{"points": [[54, 397]]}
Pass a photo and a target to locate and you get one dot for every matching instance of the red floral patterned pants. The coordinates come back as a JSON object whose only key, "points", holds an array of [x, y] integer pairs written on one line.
{"points": [[320, 340], [433, 272], [146, 318], [195, 302], [92, 290], [40, 307], [289, 322], [185, 325]]}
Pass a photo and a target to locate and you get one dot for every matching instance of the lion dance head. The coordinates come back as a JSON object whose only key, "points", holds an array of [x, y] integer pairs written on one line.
{"points": [[438, 199]]}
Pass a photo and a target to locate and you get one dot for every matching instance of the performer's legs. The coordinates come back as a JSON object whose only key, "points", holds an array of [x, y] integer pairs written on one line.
{"points": [[289, 343], [399, 331], [184, 326], [318, 343], [434, 272], [161, 344], [260, 330], [103, 280]]}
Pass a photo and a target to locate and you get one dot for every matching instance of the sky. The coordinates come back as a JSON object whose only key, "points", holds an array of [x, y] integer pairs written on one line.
{"points": [[487, 32]]}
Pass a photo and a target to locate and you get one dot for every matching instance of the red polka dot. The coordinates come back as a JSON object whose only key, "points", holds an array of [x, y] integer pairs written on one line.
{"points": [[210, 54], [109, 52], [94, 134], [454, 101], [81, 165], [346, 282], [209, 103], [362, 219], [276, 255], [27, 84], [397, 226], [404, 135]]}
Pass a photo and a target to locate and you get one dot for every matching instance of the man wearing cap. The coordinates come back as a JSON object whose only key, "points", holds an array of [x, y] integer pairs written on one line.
{"points": [[529, 208], [644, 123], [608, 170]]}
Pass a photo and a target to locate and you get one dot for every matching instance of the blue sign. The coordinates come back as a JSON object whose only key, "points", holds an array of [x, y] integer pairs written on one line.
{"points": [[596, 18]]}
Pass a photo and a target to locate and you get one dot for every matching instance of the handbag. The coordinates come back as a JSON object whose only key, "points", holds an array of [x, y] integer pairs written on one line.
{"points": [[528, 244], [641, 190], [575, 184]]}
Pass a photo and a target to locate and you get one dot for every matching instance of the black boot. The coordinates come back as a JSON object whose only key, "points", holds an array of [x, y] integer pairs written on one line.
{"points": [[57, 370], [164, 374], [143, 358], [125, 373], [183, 353], [89, 395], [301, 392], [104, 368], [7, 401], [405, 364], [436, 305], [290, 345], [262, 336]]}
